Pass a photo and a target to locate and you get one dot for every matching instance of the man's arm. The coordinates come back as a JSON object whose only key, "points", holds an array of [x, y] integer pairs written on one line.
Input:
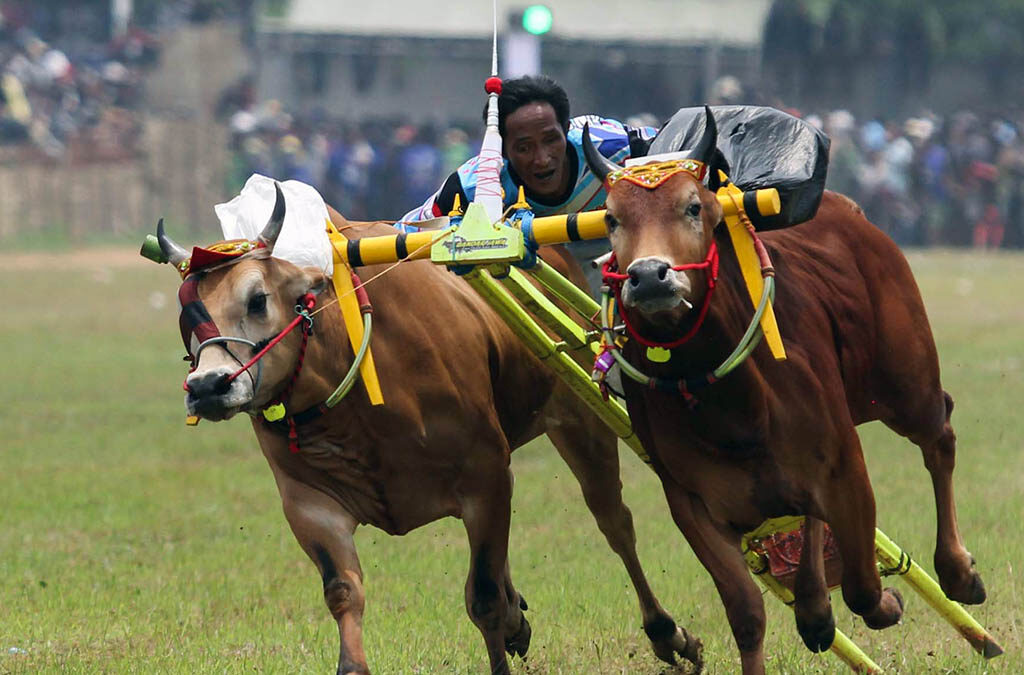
{"points": [[640, 139], [440, 203]]}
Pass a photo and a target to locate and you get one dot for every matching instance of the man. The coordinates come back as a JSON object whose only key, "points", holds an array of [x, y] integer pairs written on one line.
{"points": [[543, 153]]}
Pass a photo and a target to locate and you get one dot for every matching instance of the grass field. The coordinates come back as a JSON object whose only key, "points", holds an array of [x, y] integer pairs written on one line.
{"points": [[130, 543]]}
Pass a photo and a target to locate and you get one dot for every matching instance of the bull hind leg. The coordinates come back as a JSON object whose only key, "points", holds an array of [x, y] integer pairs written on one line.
{"points": [[591, 452], [812, 605], [934, 434], [491, 601], [324, 531], [914, 405]]}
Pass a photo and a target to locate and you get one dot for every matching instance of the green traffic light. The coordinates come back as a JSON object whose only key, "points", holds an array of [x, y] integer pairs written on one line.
{"points": [[537, 19]]}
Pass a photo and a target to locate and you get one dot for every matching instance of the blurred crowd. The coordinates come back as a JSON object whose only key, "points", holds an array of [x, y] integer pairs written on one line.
{"points": [[926, 181], [955, 181], [374, 169], [69, 94]]}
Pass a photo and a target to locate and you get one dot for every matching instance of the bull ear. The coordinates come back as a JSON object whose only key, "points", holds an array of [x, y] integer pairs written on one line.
{"points": [[174, 253], [705, 148], [273, 227], [599, 165]]}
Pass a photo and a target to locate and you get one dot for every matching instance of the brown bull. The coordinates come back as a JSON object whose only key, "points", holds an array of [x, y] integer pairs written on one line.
{"points": [[461, 392], [777, 438]]}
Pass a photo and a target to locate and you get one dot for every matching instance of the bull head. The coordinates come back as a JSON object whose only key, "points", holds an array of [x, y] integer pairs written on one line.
{"points": [[661, 220]]}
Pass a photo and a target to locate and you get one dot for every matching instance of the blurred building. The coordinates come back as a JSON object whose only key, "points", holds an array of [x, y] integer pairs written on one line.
{"points": [[427, 60]]}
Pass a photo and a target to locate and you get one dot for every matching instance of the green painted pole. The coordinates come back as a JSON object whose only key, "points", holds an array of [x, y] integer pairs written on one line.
{"points": [[564, 289], [895, 561], [553, 356]]}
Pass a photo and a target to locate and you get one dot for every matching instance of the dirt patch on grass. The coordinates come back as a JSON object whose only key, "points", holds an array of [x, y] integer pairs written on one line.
{"points": [[112, 256]]}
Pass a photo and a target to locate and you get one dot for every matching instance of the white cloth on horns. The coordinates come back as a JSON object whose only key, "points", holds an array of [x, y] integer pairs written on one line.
{"points": [[303, 239]]}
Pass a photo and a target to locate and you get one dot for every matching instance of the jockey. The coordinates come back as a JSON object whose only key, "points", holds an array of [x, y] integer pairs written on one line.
{"points": [[543, 153]]}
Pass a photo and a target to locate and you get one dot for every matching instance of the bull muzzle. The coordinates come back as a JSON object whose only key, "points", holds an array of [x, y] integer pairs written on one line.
{"points": [[214, 396], [653, 286]]}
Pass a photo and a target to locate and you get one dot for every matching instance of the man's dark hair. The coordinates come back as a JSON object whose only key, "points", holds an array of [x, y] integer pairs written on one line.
{"points": [[529, 89]]}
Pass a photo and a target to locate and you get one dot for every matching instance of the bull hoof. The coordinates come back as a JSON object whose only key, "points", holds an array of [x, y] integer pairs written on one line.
{"points": [[969, 589], [519, 644], [818, 636], [682, 644], [886, 614]]}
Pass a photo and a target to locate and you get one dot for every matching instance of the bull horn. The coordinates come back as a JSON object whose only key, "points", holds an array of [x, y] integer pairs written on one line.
{"points": [[273, 227], [174, 253], [599, 165], [705, 148]]}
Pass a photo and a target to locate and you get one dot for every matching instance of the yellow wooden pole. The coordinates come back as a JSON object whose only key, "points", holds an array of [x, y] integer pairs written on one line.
{"points": [[895, 561]]}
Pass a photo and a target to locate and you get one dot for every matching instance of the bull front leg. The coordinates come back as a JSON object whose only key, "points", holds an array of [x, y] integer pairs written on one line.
{"points": [[491, 601], [324, 530], [812, 605]]}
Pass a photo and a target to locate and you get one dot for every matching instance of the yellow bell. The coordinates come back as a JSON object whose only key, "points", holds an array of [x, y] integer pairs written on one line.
{"points": [[274, 413]]}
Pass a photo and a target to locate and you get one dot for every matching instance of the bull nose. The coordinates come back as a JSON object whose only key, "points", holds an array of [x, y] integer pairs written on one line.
{"points": [[647, 280], [208, 384]]}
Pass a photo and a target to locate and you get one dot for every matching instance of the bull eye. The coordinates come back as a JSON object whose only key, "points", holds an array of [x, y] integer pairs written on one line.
{"points": [[257, 304], [693, 210], [610, 221]]}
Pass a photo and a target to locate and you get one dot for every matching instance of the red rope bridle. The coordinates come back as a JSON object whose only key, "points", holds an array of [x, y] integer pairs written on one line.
{"points": [[614, 279]]}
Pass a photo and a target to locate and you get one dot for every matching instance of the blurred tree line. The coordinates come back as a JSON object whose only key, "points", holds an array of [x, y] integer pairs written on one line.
{"points": [[49, 14], [817, 42]]}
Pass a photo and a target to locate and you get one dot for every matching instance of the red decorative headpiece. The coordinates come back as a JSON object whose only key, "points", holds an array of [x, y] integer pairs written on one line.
{"points": [[217, 254]]}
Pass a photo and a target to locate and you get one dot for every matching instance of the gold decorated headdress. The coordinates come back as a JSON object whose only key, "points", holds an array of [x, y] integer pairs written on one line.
{"points": [[651, 176]]}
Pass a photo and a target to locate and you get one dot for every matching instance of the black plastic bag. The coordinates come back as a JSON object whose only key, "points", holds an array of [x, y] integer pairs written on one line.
{"points": [[765, 148]]}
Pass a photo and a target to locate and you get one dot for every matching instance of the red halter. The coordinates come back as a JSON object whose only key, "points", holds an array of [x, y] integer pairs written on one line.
{"points": [[611, 276]]}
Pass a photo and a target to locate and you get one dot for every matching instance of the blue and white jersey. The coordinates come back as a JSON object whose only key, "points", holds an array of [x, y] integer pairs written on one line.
{"points": [[612, 139]]}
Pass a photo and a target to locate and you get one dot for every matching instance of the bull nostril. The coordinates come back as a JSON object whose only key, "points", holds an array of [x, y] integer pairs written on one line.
{"points": [[634, 279], [662, 271], [210, 384], [222, 385]]}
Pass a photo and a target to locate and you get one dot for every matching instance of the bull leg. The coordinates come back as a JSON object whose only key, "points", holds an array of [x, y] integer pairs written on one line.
{"points": [[850, 511], [591, 452], [812, 605], [954, 565], [486, 513], [517, 628], [324, 531], [719, 551]]}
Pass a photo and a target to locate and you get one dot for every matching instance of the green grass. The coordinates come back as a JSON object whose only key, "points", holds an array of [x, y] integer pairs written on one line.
{"points": [[129, 543]]}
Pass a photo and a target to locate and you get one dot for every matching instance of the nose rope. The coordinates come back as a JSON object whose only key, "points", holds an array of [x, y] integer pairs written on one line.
{"points": [[614, 279]]}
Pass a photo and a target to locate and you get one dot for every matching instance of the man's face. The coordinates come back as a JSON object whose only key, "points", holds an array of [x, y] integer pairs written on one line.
{"points": [[535, 146]]}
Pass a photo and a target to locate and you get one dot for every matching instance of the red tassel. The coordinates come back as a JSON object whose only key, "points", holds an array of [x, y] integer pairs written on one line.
{"points": [[293, 436]]}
